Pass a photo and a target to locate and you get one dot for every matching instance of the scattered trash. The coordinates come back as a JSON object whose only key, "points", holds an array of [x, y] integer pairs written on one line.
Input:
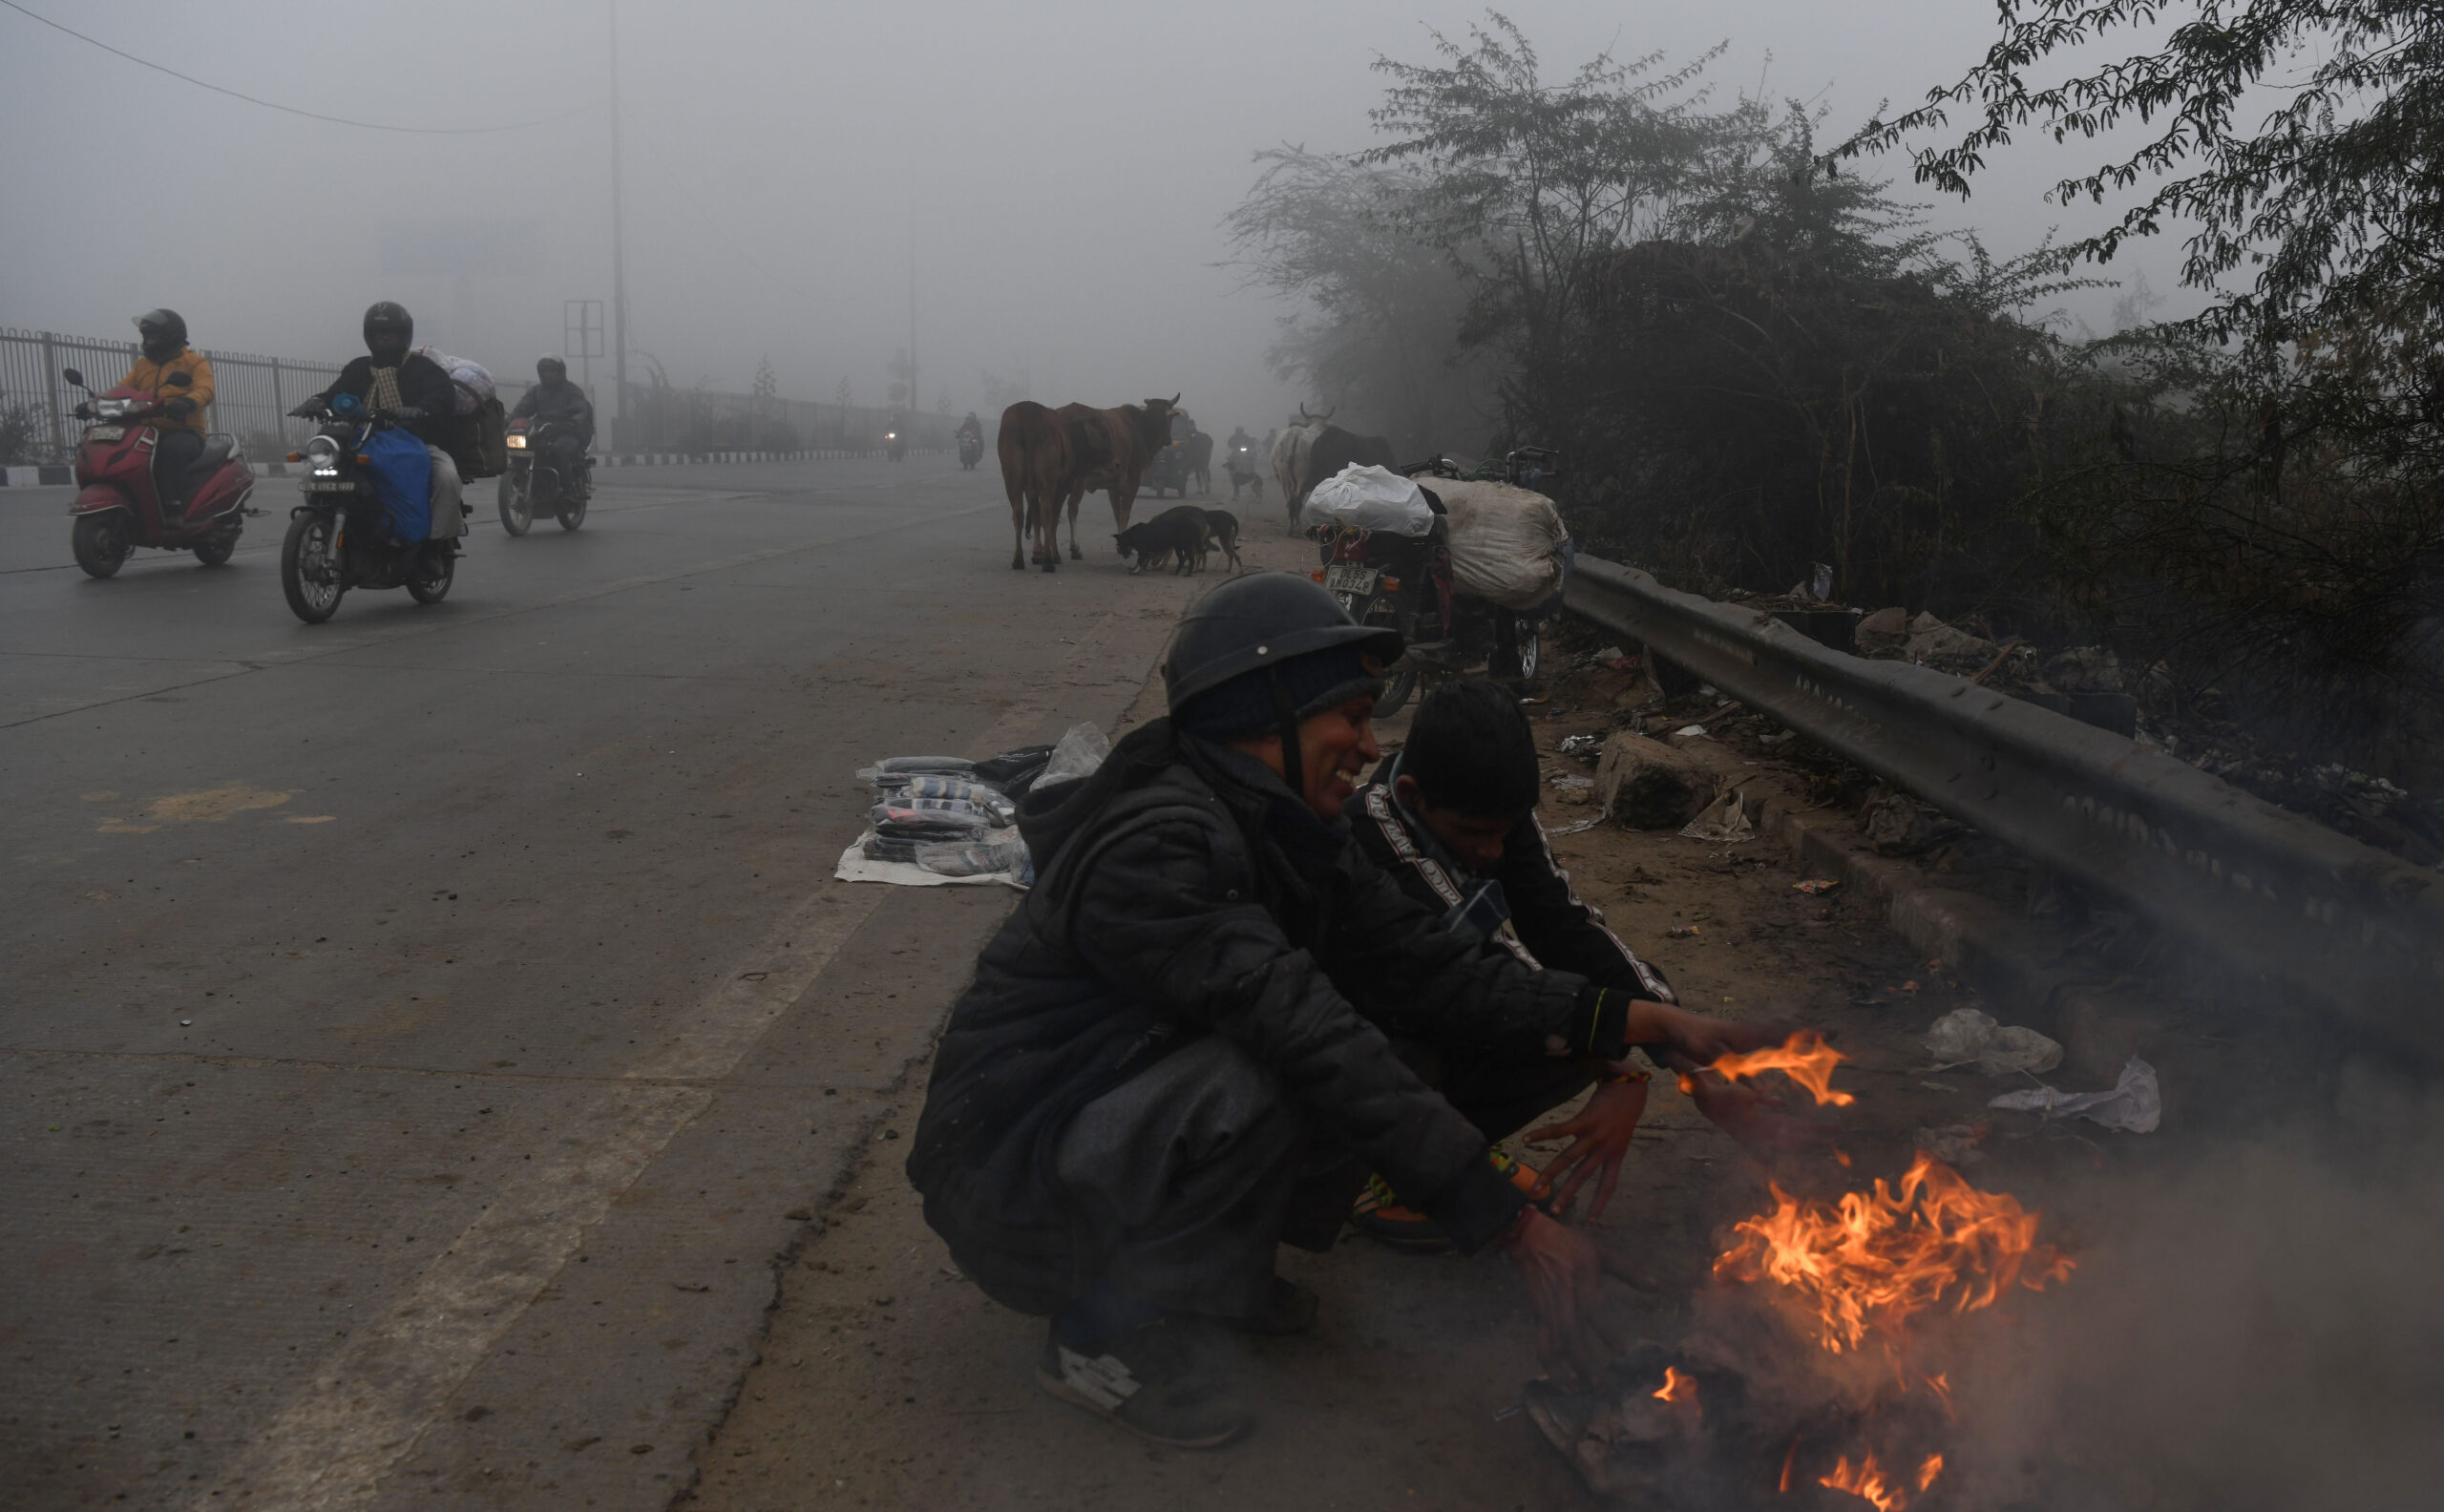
{"points": [[1582, 746], [1814, 888], [1573, 789], [2134, 1104], [1954, 1144], [1689, 732], [186, 1023], [1614, 657], [1585, 823], [1078, 754], [1968, 1037], [1681, 932], [1726, 819], [1910, 986]]}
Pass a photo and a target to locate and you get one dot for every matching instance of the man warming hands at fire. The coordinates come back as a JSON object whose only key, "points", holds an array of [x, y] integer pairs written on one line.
{"points": [[1180, 1050]]}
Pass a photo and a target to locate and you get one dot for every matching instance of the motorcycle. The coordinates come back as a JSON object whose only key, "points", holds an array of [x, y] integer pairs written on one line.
{"points": [[1241, 468], [1404, 583], [971, 449], [340, 538], [533, 486], [118, 504], [895, 445]]}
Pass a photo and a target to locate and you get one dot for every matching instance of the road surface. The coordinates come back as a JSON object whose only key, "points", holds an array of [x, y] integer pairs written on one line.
{"points": [[424, 1031]]}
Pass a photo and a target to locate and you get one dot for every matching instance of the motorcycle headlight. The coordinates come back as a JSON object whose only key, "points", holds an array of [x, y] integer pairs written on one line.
{"points": [[517, 443], [323, 455]]}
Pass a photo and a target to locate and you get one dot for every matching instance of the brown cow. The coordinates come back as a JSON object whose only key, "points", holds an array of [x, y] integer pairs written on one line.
{"points": [[1052, 458]]}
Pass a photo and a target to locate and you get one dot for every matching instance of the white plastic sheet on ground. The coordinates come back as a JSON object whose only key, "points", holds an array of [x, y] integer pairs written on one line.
{"points": [[1372, 498], [1506, 542], [2136, 1104], [856, 866]]}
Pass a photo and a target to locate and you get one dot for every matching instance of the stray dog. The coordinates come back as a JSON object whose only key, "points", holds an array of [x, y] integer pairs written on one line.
{"points": [[1222, 527], [1177, 533]]}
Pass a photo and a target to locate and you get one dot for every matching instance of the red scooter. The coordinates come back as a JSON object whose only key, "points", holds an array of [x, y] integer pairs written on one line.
{"points": [[119, 497]]}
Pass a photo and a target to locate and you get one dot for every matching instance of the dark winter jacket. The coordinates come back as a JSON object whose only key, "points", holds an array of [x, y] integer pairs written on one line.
{"points": [[565, 405], [1183, 890], [1549, 925], [422, 385]]}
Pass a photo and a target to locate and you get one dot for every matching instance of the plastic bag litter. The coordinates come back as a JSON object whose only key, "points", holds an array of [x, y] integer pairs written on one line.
{"points": [[1372, 498], [2134, 1104], [1726, 819], [1967, 1037], [1509, 545], [1078, 754], [1001, 853]]}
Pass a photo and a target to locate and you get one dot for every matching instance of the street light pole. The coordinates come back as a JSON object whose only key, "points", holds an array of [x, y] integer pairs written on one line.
{"points": [[914, 403], [618, 249]]}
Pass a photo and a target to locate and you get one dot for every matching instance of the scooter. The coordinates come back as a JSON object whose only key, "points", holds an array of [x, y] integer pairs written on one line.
{"points": [[118, 503], [971, 450], [340, 538], [895, 445], [533, 486]]}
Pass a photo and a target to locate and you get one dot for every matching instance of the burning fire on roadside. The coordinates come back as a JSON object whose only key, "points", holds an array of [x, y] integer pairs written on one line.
{"points": [[1823, 1346]]}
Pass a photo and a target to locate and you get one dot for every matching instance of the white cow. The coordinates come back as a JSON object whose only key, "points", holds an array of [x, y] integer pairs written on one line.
{"points": [[1289, 459]]}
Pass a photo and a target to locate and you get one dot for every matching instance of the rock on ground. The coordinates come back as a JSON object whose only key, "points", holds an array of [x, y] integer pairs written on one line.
{"points": [[1647, 784]]}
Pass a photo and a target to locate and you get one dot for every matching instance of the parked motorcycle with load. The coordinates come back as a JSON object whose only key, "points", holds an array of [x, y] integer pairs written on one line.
{"points": [[532, 483], [341, 537], [1465, 587], [119, 504]]}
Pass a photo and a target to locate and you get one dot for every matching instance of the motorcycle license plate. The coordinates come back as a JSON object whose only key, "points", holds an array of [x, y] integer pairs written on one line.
{"points": [[325, 486], [1350, 577], [105, 433]]}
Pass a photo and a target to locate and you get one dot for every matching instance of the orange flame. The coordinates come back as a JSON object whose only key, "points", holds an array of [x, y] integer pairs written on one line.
{"points": [[1867, 1480], [1878, 1257], [1677, 1387], [1805, 1058]]}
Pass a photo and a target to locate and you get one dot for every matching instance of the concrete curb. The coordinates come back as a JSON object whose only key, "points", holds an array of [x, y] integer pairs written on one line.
{"points": [[56, 475]]}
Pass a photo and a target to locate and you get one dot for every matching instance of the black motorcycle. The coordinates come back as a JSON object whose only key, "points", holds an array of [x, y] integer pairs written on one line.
{"points": [[533, 485], [971, 449], [895, 446], [340, 538], [1404, 583]]}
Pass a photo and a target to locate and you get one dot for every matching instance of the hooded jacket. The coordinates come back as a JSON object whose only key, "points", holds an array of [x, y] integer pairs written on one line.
{"points": [[1183, 890]]}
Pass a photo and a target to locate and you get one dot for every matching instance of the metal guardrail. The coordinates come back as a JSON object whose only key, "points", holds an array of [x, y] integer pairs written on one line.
{"points": [[2314, 913]]}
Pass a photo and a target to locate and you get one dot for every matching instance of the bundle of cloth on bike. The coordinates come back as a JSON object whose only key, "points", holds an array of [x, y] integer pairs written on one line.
{"points": [[1509, 545]]}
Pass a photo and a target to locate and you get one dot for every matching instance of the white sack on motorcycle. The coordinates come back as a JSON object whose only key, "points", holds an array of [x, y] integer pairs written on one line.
{"points": [[1372, 498], [1506, 542]]}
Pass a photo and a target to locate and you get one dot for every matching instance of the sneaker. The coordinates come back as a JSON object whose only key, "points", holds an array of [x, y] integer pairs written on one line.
{"points": [[1152, 1380], [1380, 1216]]}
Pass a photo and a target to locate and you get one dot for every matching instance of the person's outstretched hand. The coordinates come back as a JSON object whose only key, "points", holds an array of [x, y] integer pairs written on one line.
{"points": [[1599, 1137], [1563, 1270]]}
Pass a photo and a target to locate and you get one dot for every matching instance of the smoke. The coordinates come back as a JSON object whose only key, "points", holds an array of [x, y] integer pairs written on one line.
{"points": [[2256, 1323]]}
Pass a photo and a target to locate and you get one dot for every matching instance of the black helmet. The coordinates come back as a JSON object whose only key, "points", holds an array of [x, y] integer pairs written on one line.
{"points": [[548, 367], [163, 328], [1272, 644], [1261, 619], [390, 315]]}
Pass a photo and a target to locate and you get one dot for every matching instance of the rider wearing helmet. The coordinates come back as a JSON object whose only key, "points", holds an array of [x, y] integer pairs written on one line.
{"points": [[561, 405], [971, 428], [164, 335], [1179, 1050], [408, 389]]}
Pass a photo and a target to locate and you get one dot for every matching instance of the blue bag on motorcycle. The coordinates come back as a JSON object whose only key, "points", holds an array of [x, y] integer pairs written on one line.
{"points": [[403, 482]]}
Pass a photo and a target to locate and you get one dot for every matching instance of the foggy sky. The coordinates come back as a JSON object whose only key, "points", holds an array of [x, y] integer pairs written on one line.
{"points": [[1061, 168]]}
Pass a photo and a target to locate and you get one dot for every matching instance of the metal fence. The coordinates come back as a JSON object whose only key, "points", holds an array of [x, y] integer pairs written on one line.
{"points": [[2336, 922], [252, 395]]}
